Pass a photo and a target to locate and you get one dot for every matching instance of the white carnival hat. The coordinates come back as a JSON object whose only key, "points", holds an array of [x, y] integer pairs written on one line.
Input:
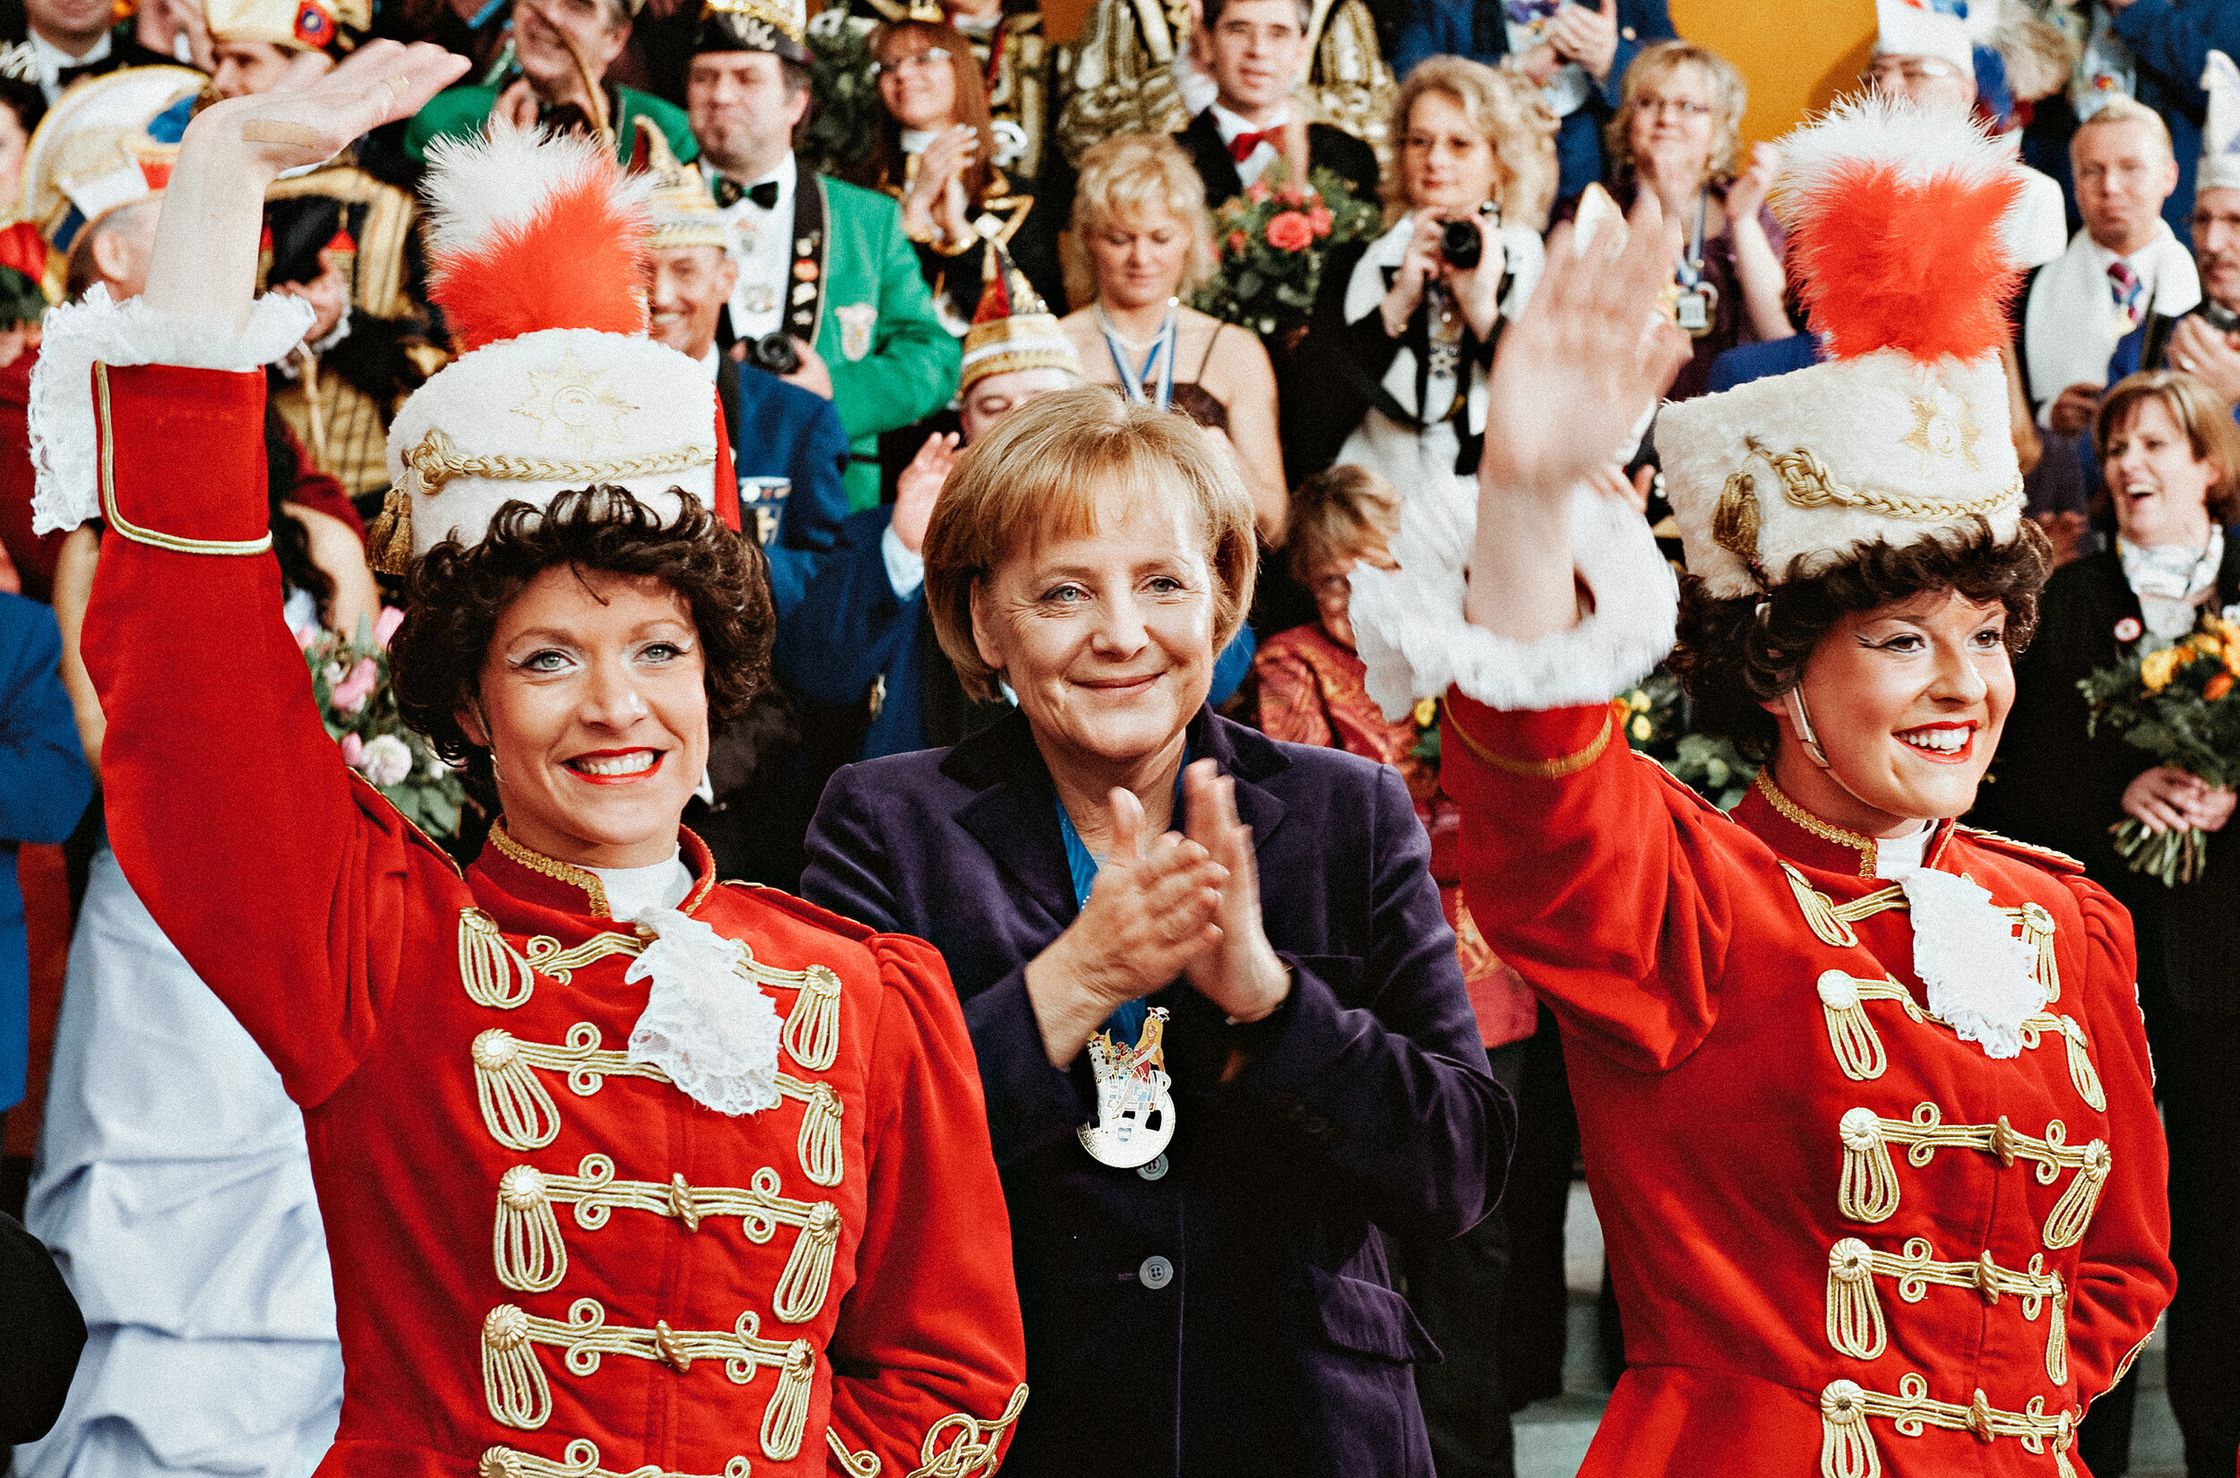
{"points": [[1904, 434], [537, 247], [2220, 135], [1924, 28]]}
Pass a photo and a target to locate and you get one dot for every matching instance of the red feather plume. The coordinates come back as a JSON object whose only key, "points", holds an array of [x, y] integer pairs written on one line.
{"points": [[577, 261]]}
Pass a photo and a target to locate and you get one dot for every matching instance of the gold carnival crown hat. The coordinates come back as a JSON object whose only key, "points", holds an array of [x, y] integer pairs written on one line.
{"points": [[682, 209], [1893, 217], [1012, 330], [779, 26], [294, 25], [536, 251]]}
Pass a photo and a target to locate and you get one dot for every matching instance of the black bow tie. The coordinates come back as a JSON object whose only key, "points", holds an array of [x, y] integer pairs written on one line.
{"points": [[730, 192], [64, 76]]}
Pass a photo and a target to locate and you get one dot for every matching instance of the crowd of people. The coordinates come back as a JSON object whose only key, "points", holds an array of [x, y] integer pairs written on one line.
{"points": [[1052, 591]]}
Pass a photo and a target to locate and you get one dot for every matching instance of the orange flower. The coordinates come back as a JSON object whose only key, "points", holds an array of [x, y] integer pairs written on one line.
{"points": [[2217, 686], [1288, 231]]}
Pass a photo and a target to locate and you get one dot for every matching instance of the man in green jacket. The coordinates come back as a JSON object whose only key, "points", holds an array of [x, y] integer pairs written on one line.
{"points": [[553, 87], [822, 263]]}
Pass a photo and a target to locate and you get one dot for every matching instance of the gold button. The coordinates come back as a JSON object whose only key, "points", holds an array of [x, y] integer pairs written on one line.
{"points": [[505, 1328], [522, 1187], [494, 1049]]}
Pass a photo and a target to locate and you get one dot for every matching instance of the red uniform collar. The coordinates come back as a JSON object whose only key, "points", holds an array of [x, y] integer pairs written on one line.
{"points": [[531, 876], [1771, 815]]}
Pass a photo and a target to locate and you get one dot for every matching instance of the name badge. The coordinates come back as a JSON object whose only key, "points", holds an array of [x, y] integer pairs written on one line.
{"points": [[1695, 308], [762, 502]]}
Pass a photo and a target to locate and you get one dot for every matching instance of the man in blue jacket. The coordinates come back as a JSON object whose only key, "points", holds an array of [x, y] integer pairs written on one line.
{"points": [[1577, 52], [44, 787]]}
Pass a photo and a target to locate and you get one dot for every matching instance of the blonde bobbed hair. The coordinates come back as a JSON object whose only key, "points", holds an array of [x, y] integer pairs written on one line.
{"points": [[1508, 113], [1730, 96], [1124, 179], [1051, 470]]}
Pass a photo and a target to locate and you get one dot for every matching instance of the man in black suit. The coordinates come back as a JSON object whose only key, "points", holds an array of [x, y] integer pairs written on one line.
{"points": [[1257, 51], [70, 39]]}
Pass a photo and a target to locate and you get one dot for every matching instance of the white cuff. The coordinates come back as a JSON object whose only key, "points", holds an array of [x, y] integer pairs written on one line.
{"points": [[906, 572], [1409, 628], [290, 364], [64, 439]]}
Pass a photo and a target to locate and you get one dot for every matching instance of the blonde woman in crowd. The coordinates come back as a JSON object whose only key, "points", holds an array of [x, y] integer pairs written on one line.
{"points": [[1407, 323], [1140, 246], [1678, 133]]}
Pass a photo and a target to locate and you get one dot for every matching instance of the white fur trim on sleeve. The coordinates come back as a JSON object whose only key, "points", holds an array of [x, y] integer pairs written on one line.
{"points": [[1409, 628], [64, 439]]}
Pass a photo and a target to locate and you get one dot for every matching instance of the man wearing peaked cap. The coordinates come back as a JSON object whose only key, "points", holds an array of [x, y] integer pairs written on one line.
{"points": [[1866, 1090], [829, 293], [706, 1188], [562, 50]]}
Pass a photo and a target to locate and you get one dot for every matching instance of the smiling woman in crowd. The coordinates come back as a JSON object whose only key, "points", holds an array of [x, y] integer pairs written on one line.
{"points": [[1218, 1013]]}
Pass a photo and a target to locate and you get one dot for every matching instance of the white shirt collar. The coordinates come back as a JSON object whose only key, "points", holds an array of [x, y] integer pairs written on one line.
{"points": [[2144, 261], [1232, 124], [915, 140], [1894, 857], [630, 889], [787, 174], [712, 361], [52, 58]]}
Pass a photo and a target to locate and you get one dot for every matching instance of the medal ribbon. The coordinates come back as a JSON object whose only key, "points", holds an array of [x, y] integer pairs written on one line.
{"points": [[1691, 269], [1161, 353]]}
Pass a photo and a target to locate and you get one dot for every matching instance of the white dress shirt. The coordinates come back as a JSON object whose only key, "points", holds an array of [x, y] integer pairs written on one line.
{"points": [[762, 245], [51, 59], [1255, 164]]}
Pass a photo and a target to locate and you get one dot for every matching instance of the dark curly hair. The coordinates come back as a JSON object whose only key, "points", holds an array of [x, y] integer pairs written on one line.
{"points": [[456, 592], [1731, 658]]}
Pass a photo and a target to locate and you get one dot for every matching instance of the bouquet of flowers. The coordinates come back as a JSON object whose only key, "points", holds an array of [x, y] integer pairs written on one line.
{"points": [[2176, 705], [1272, 241], [350, 679], [1655, 719]]}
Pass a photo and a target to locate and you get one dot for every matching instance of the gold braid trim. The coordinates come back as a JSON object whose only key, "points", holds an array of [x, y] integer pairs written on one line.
{"points": [[520, 1114], [971, 1443], [863, 1464], [531, 1257], [1812, 825], [1807, 483], [1855, 1321], [582, 1461], [1548, 769], [1847, 1448], [1851, 1033], [519, 1394], [1868, 1191], [126, 528], [436, 460], [493, 974], [551, 867]]}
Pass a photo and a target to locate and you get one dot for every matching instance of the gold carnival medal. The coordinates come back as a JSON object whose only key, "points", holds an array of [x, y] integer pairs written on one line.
{"points": [[1135, 1116]]}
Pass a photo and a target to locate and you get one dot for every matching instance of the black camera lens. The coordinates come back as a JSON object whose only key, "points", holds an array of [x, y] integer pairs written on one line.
{"points": [[775, 353], [1461, 245]]}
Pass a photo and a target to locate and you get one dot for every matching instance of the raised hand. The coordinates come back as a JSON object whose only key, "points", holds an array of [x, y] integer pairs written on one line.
{"points": [[381, 82], [1588, 35], [1238, 972], [918, 484], [1587, 356]]}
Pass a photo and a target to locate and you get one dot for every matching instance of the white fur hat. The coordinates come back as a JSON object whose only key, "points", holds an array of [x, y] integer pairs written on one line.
{"points": [[2220, 136], [536, 246], [1904, 433]]}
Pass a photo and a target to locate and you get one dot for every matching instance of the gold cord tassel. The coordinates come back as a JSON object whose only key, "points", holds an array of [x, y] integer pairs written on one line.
{"points": [[2082, 1073], [813, 1026], [391, 536], [513, 1382], [1855, 1326], [1847, 1448], [494, 975], [525, 1239], [2066, 1223], [516, 1109], [1858, 1049], [2037, 932], [1868, 1191], [808, 1273], [2057, 1334], [1819, 912], [819, 1144], [787, 1415]]}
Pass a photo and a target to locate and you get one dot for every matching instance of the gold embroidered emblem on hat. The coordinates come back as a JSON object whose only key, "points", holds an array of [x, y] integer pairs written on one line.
{"points": [[571, 404], [1943, 426]]}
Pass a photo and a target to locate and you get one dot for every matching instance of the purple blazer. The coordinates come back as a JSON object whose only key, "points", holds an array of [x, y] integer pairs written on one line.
{"points": [[1227, 1309]]}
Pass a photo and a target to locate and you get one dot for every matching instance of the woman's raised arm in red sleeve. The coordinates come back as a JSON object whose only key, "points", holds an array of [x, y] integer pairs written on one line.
{"points": [[280, 879]]}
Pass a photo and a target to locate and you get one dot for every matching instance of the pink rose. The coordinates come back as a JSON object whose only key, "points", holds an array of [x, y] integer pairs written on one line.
{"points": [[385, 625], [1291, 195], [351, 693], [1256, 192], [307, 635], [1289, 231], [353, 750], [1319, 218], [1237, 243]]}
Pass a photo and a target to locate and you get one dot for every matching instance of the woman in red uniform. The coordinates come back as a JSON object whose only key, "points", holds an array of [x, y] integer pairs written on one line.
{"points": [[622, 1171], [1864, 1095]]}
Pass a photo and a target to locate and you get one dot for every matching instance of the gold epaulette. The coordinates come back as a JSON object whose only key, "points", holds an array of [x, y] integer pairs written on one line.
{"points": [[2046, 857]]}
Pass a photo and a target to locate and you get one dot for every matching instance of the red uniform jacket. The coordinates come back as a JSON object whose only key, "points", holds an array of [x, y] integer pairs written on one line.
{"points": [[1840, 1235], [549, 1263]]}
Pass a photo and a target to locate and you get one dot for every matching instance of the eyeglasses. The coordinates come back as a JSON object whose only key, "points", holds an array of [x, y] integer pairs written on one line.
{"points": [[932, 56], [1682, 108]]}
